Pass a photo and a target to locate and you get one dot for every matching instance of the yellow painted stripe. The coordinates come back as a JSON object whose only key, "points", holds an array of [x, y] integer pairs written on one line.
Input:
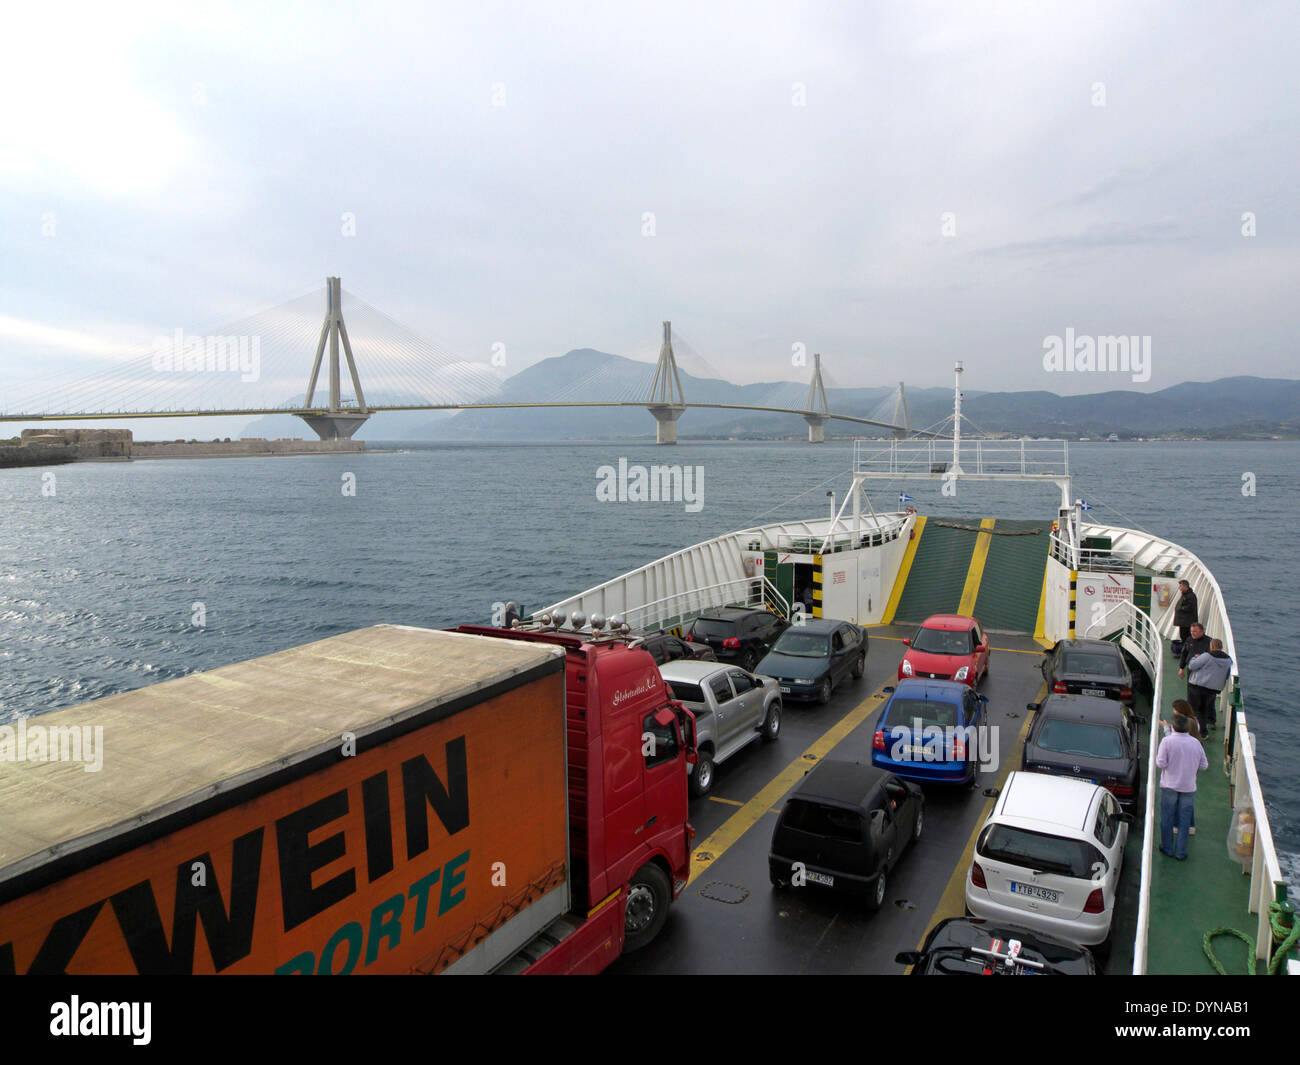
{"points": [[729, 802], [971, 589], [749, 815], [1041, 622], [904, 568], [953, 901]]}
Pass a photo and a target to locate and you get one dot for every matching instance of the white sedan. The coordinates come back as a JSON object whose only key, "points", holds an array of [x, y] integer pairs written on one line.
{"points": [[1049, 858]]}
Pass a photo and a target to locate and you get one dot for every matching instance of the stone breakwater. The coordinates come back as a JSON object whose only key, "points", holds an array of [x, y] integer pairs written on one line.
{"points": [[45, 447]]}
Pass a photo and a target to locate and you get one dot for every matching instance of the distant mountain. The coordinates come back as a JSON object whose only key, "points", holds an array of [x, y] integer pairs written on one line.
{"points": [[1230, 408]]}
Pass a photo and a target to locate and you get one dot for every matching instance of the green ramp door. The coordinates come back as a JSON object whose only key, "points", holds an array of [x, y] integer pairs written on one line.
{"points": [[939, 570], [1013, 576]]}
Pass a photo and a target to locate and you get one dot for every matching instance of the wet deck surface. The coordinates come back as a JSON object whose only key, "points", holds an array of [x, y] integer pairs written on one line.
{"points": [[730, 920]]}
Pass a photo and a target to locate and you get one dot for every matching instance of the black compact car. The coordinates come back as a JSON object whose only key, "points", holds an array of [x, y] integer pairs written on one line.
{"points": [[968, 946], [665, 647], [740, 635], [845, 827], [1088, 667], [812, 657], [1086, 738]]}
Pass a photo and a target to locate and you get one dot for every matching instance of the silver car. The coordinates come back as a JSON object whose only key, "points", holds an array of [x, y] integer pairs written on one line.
{"points": [[732, 708]]}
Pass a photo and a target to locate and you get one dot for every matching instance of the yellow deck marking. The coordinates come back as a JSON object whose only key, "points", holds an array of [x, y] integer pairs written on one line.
{"points": [[953, 901], [971, 589], [766, 800], [904, 568], [729, 802], [1042, 601]]}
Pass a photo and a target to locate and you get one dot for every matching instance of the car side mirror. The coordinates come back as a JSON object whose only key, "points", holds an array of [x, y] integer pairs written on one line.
{"points": [[1032, 707], [888, 689], [908, 957], [907, 642], [984, 698]]}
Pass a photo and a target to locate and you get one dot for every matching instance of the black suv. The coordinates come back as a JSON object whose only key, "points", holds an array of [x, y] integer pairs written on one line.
{"points": [[740, 635], [665, 647]]}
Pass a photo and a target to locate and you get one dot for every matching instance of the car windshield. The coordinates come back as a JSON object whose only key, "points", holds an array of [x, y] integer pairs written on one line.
{"points": [[1039, 851], [685, 692], [803, 644], [1092, 663], [819, 820], [713, 627], [942, 642], [905, 711], [1081, 738]]}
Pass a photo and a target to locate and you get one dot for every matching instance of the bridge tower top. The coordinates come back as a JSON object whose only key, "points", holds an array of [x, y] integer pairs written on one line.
{"points": [[815, 403], [338, 422], [666, 389]]}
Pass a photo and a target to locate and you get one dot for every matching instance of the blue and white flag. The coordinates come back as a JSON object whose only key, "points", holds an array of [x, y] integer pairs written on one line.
{"points": [[904, 498], [1084, 506]]}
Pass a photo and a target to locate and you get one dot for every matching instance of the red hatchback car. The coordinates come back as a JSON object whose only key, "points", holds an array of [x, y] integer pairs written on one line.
{"points": [[947, 647]]}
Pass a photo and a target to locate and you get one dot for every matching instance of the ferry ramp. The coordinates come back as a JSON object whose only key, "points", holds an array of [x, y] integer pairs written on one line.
{"points": [[939, 566], [1012, 583]]}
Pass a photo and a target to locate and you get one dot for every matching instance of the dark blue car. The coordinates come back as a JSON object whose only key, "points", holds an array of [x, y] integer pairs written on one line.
{"points": [[929, 732]]}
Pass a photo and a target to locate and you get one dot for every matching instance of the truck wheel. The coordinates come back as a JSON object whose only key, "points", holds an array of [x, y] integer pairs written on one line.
{"points": [[861, 667], [824, 691], [772, 723], [877, 898], [702, 778], [648, 897]]}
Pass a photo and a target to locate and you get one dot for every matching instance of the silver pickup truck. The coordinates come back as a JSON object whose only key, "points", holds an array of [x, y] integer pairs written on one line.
{"points": [[732, 708]]}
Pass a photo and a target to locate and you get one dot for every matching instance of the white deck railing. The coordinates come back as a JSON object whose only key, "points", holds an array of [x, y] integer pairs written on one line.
{"points": [[1140, 637], [757, 592], [1021, 458]]}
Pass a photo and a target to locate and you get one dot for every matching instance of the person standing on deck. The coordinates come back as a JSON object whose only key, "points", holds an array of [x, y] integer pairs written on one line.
{"points": [[1180, 758], [1209, 672], [1186, 610], [1198, 643]]}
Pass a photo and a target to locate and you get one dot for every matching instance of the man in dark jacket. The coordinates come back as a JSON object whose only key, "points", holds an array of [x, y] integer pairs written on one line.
{"points": [[1196, 644], [1208, 675], [1186, 610]]}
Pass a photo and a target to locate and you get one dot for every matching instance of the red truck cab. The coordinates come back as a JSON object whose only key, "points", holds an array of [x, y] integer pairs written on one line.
{"points": [[628, 747]]}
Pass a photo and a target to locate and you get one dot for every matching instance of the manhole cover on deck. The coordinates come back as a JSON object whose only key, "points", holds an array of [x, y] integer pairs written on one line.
{"points": [[731, 894]]}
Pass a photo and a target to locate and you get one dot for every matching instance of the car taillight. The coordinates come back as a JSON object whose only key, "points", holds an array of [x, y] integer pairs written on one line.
{"points": [[977, 875], [1126, 693], [959, 750], [1095, 903], [689, 638], [878, 741], [1122, 790], [1060, 688], [731, 641]]}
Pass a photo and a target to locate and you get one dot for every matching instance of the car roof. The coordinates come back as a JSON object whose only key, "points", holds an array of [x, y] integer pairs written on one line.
{"points": [[1038, 799], [691, 670], [816, 625], [939, 691], [1094, 709], [842, 782], [730, 613], [948, 622]]}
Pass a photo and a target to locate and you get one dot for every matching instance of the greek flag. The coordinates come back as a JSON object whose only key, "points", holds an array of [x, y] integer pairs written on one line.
{"points": [[1084, 506], [904, 498]]}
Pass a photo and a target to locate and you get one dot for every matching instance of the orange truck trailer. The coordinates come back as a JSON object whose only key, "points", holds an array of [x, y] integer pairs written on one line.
{"points": [[393, 799]]}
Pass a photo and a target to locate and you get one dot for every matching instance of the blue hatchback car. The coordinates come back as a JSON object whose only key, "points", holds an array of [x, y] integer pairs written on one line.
{"points": [[929, 732]]}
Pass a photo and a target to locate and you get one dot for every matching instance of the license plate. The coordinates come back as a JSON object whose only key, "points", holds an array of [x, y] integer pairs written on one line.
{"points": [[785, 691], [820, 878], [1095, 691], [918, 754], [1034, 891]]}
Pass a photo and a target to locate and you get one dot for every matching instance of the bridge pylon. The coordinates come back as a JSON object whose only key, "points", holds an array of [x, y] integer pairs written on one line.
{"points": [[337, 422], [900, 404], [667, 402], [815, 405]]}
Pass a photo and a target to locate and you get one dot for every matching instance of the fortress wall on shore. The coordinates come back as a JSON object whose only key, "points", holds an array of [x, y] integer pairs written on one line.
{"points": [[214, 449], [44, 447]]}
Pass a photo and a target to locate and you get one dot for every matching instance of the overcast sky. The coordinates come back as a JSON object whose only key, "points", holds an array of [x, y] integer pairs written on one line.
{"points": [[893, 185]]}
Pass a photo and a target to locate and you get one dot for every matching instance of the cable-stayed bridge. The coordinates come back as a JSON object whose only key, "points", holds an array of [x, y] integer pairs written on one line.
{"points": [[248, 366]]}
